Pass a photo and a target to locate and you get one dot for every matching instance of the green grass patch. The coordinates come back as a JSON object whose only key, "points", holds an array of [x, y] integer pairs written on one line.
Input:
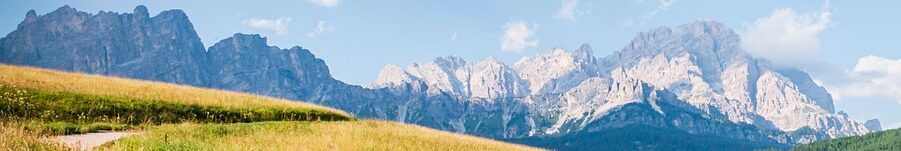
{"points": [[62, 128], [69, 113]]}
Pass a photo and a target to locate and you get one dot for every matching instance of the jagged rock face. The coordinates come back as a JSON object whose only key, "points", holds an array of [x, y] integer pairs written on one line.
{"points": [[716, 76], [812, 90], [705, 68], [595, 97], [246, 63], [557, 71], [393, 76], [786, 108], [492, 79], [700, 64], [874, 125], [485, 80], [162, 48], [166, 48]]}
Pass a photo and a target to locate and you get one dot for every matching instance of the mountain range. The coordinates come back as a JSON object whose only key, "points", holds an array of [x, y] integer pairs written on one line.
{"points": [[691, 82]]}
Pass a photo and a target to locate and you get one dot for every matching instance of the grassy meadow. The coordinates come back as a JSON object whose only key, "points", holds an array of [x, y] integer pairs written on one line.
{"points": [[69, 113], [55, 81], [67, 103], [339, 135], [14, 137], [36, 104]]}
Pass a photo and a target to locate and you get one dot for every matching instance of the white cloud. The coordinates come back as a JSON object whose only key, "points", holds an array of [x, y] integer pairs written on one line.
{"points": [[453, 36], [326, 3], [321, 27], [568, 10], [663, 5], [786, 35], [628, 23], [518, 36], [279, 26], [872, 77]]}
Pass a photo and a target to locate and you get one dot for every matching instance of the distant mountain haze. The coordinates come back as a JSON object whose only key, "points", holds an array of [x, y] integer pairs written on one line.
{"points": [[691, 81]]}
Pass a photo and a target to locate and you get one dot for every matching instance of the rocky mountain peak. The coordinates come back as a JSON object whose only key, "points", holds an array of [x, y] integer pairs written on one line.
{"points": [[256, 44], [392, 76], [705, 27], [873, 125], [710, 40], [492, 60], [173, 14], [65, 9], [244, 40], [245, 62], [64, 15], [141, 11], [584, 52], [450, 62], [30, 16]]}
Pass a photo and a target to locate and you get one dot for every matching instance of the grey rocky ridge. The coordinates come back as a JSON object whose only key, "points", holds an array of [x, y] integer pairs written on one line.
{"points": [[693, 80], [164, 47]]}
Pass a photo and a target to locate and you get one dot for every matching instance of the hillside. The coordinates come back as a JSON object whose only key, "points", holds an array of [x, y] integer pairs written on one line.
{"points": [[39, 103], [344, 135], [68, 103], [883, 140], [54, 81], [640, 137]]}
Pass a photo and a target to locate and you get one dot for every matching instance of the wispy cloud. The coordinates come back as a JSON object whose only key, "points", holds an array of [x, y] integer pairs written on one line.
{"points": [[628, 23], [518, 36], [453, 36], [568, 10], [278, 26], [786, 35], [662, 6], [326, 3], [321, 27], [665, 4]]}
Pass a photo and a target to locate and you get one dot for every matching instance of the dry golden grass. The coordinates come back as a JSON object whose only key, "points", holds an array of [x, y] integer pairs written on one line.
{"points": [[14, 137], [343, 135], [280, 135], [48, 80]]}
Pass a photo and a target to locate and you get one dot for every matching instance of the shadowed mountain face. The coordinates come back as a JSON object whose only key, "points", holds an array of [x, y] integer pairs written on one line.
{"points": [[691, 80], [161, 48], [164, 48], [245, 63]]}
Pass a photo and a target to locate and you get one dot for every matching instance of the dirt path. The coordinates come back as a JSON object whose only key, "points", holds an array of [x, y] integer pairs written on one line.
{"points": [[91, 140]]}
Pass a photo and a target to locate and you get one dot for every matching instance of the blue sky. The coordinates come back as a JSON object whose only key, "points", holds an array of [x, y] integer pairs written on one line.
{"points": [[358, 37]]}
